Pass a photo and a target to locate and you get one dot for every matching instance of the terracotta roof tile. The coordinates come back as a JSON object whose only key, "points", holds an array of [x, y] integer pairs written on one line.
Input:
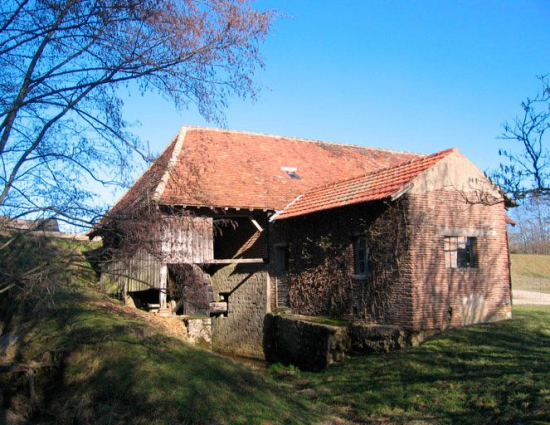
{"points": [[376, 185], [236, 169], [145, 186], [222, 168]]}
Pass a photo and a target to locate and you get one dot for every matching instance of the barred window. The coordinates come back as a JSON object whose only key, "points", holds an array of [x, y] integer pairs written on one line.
{"points": [[460, 252]]}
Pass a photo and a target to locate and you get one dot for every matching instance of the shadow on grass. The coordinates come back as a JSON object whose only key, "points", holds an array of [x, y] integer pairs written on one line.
{"points": [[491, 374], [116, 369]]}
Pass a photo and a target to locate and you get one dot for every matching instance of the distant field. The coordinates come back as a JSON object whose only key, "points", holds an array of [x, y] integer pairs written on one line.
{"points": [[531, 272]]}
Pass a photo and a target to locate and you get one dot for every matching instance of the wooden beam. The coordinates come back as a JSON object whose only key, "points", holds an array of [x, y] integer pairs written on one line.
{"points": [[256, 224], [236, 261]]}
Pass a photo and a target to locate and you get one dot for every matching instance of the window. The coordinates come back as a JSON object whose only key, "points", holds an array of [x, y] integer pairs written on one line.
{"points": [[282, 258], [460, 252], [361, 257]]}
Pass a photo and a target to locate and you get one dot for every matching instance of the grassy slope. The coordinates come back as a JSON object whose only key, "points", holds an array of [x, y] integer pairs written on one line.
{"points": [[495, 373], [117, 368], [531, 272], [114, 367]]}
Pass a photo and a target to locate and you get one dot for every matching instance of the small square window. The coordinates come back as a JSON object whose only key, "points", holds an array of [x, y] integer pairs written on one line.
{"points": [[460, 252], [361, 257]]}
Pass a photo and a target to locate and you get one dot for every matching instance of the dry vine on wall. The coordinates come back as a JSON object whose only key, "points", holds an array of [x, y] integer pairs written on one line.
{"points": [[322, 262]]}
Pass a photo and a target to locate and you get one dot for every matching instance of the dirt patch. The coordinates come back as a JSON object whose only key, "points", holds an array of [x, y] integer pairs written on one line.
{"points": [[172, 326]]}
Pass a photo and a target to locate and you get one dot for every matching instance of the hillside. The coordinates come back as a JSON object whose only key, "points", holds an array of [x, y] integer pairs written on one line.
{"points": [[531, 272], [104, 363]]}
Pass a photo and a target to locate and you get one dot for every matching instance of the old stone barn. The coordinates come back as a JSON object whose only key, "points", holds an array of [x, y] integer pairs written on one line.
{"points": [[233, 225]]}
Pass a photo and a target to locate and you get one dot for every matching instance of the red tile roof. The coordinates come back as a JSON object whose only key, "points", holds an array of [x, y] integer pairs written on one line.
{"points": [[145, 186], [222, 168], [373, 186]]}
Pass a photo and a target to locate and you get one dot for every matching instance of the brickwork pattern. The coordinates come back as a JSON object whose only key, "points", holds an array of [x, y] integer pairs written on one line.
{"points": [[445, 296], [322, 264]]}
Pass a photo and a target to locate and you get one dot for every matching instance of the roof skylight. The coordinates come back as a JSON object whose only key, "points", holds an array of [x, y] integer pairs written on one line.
{"points": [[291, 171]]}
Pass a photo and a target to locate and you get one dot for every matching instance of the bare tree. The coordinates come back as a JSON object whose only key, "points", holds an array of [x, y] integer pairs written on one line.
{"points": [[62, 63], [527, 163], [62, 66]]}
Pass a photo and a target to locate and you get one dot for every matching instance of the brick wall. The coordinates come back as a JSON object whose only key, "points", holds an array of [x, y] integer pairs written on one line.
{"points": [[445, 296], [321, 264]]}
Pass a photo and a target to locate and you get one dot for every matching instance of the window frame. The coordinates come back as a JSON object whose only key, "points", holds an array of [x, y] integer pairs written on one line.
{"points": [[461, 252], [282, 258], [361, 254]]}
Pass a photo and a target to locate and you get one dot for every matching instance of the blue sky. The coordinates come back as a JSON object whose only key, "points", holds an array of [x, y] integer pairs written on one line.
{"points": [[417, 76]]}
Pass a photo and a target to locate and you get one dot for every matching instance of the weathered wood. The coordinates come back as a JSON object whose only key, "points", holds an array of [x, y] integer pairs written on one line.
{"points": [[187, 239], [139, 273], [236, 261], [163, 285]]}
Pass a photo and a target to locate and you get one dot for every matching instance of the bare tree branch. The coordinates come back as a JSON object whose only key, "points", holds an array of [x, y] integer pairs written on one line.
{"points": [[527, 163]]}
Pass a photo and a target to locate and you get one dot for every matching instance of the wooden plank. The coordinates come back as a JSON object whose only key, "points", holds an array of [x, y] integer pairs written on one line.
{"points": [[236, 261]]}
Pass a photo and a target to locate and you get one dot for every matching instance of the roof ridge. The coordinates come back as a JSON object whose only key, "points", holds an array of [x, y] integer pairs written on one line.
{"points": [[159, 190], [300, 139], [142, 175]]}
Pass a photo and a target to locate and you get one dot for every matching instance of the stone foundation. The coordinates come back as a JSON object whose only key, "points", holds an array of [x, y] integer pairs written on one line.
{"points": [[310, 346], [369, 338], [241, 332], [313, 346], [199, 331]]}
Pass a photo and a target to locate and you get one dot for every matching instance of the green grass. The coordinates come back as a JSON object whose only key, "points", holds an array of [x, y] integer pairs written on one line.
{"points": [[118, 368], [112, 367], [531, 272], [495, 373]]}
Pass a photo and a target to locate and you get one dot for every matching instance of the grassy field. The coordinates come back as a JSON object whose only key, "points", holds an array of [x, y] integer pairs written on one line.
{"points": [[112, 367], [531, 272]]}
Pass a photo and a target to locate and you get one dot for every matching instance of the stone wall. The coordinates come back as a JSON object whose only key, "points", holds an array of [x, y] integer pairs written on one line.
{"points": [[297, 340], [199, 331], [446, 296], [368, 338], [310, 346], [241, 332]]}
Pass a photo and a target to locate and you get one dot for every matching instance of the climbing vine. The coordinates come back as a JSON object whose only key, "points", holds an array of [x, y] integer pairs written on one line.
{"points": [[322, 261]]}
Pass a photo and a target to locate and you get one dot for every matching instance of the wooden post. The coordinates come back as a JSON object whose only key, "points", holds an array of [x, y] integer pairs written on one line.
{"points": [[163, 285], [125, 291]]}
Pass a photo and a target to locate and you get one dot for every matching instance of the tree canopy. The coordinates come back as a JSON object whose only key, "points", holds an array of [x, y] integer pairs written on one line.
{"points": [[63, 63]]}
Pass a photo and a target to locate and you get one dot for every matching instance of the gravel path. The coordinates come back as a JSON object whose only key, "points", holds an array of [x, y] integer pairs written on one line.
{"points": [[529, 297]]}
